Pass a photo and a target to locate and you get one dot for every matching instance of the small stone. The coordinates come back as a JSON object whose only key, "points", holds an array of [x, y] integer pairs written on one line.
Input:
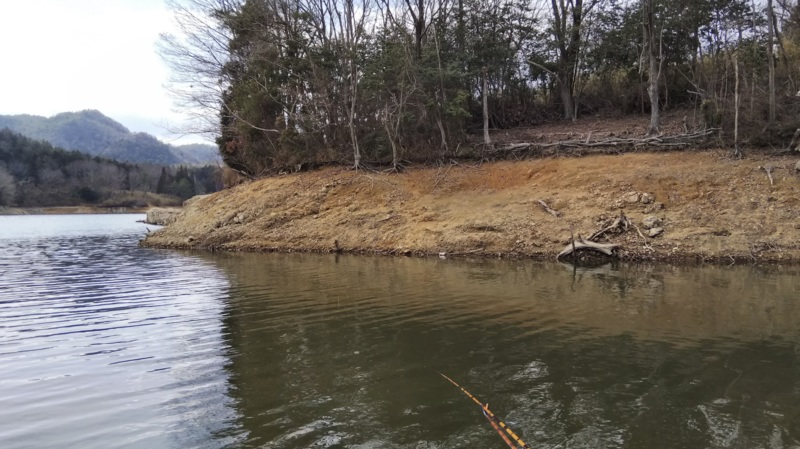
{"points": [[797, 166], [443, 255], [632, 197], [651, 221], [655, 232], [653, 207], [647, 198], [189, 239]]}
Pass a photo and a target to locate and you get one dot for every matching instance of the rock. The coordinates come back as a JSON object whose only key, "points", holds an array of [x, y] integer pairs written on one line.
{"points": [[651, 221], [653, 232], [162, 216], [239, 218], [797, 166], [195, 198], [632, 197], [647, 198], [653, 207]]}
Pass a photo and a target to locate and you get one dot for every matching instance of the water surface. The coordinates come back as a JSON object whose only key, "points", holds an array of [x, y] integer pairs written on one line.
{"points": [[108, 345]]}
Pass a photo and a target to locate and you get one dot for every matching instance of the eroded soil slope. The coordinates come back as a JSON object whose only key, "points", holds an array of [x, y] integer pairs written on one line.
{"points": [[709, 205]]}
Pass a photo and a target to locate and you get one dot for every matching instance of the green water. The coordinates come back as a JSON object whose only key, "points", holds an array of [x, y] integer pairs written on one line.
{"points": [[104, 344]]}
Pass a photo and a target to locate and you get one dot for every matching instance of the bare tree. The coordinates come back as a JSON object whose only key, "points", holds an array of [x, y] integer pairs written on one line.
{"points": [[567, 20], [196, 54], [351, 20], [654, 51], [771, 60]]}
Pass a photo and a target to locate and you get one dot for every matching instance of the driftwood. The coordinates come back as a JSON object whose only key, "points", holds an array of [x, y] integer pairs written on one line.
{"points": [[548, 209], [581, 244], [658, 141]]}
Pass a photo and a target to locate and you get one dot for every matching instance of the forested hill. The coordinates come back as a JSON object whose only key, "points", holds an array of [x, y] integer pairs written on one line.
{"points": [[35, 174], [93, 133]]}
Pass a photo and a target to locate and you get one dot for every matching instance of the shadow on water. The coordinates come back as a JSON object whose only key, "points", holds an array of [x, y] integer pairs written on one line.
{"points": [[343, 351]]}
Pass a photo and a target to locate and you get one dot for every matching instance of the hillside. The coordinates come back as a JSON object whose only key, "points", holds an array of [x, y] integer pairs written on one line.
{"points": [[33, 173], [707, 205], [93, 133]]}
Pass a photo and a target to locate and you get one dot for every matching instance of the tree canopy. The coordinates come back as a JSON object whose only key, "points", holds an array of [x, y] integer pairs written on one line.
{"points": [[312, 81]]}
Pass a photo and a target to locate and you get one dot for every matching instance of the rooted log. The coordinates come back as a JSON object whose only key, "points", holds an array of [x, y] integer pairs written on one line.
{"points": [[581, 244], [548, 209]]}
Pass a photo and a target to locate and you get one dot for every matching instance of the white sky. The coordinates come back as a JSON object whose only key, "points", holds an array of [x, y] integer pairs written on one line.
{"points": [[70, 55]]}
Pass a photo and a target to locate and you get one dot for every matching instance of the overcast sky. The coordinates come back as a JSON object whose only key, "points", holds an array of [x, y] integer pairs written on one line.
{"points": [[70, 55]]}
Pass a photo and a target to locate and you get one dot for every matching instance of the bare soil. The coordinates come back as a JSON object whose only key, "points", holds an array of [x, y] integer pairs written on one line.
{"points": [[711, 207]]}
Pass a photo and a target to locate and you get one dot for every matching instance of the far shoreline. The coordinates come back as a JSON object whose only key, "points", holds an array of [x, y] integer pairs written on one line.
{"points": [[71, 210]]}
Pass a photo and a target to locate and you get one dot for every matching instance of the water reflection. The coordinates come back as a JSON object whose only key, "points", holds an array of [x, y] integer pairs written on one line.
{"points": [[104, 344], [344, 353]]}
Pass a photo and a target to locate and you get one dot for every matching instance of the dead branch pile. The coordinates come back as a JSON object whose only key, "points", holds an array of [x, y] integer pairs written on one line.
{"points": [[674, 141]]}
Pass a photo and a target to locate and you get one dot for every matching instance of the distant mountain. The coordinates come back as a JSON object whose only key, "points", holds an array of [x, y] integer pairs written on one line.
{"points": [[92, 132]]}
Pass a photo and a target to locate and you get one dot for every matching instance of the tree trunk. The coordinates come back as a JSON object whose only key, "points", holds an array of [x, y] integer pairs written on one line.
{"points": [[565, 87], [351, 117], [649, 29], [486, 139], [771, 61], [736, 110], [652, 92], [388, 127]]}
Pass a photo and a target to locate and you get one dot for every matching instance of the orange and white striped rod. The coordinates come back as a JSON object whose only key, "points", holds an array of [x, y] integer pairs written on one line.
{"points": [[502, 429]]}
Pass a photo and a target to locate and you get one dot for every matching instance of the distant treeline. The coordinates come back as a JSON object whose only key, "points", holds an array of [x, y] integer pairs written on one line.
{"points": [[36, 174]]}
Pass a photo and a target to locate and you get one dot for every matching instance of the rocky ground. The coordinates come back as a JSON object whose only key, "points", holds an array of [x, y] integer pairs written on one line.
{"points": [[687, 205]]}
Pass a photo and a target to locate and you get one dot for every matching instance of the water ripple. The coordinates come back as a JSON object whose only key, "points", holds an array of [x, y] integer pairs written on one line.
{"points": [[105, 344]]}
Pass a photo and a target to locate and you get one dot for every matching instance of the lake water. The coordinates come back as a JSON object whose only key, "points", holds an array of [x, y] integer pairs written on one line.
{"points": [[104, 345]]}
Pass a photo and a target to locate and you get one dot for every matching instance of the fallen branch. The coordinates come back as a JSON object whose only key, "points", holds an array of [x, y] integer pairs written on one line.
{"points": [[548, 209], [621, 223], [581, 244], [641, 235], [768, 169], [661, 141]]}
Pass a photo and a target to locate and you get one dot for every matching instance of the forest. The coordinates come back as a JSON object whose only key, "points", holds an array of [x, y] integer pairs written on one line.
{"points": [[35, 174], [387, 81]]}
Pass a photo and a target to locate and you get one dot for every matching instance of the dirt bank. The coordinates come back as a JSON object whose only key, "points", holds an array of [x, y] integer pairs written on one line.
{"points": [[710, 207]]}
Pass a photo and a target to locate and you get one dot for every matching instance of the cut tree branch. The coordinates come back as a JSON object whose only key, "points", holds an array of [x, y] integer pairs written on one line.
{"points": [[548, 209]]}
